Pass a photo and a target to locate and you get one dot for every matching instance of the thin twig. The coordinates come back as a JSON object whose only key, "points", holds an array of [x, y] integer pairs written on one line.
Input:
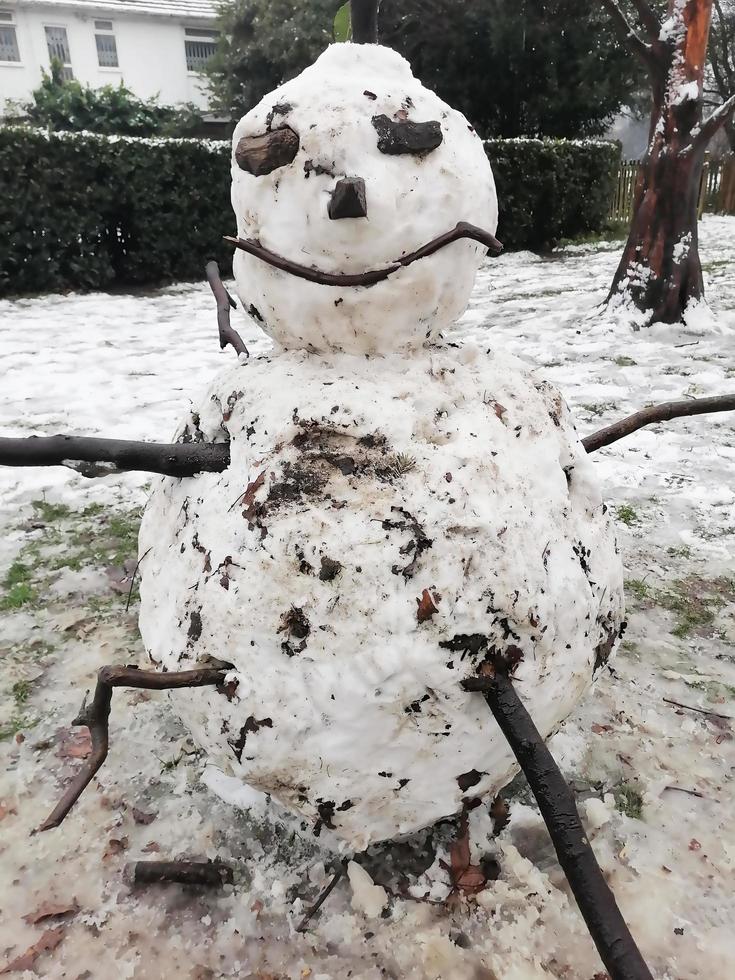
{"points": [[96, 716], [210, 874], [700, 711], [657, 413], [336, 878], [689, 792], [132, 580], [462, 230], [626, 32], [227, 333], [596, 902], [107, 456]]}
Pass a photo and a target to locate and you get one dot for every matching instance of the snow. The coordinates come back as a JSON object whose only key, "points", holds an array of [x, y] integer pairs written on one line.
{"points": [[131, 371], [357, 486], [331, 106]]}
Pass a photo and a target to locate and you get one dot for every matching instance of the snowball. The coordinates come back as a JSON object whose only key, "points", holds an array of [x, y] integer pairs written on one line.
{"points": [[367, 898], [410, 198], [385, 525]]}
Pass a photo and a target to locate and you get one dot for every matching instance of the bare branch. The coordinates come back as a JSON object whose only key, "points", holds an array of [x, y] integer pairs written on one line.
{"points": [[96, 716], [626, 32], [210, 874], [227, 333], [596, 902], [462, 230], [100, 457], [648, 18], [657, 413], [709, 126], [364, 16]]}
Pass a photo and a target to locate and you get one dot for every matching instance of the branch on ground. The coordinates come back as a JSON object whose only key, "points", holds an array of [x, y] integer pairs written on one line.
{"points": [[657, 413], [326, 892], [596, 902], [209, 874], [626, 32], [709, 126], [96, 716], [100, 457], [462, 230], [227, 333]]}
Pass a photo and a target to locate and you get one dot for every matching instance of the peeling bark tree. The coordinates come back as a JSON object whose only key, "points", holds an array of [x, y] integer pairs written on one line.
{"points": [[660, 271]]}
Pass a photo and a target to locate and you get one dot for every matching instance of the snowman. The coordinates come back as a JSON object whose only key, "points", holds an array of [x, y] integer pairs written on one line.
{"points": [[399, 508]]}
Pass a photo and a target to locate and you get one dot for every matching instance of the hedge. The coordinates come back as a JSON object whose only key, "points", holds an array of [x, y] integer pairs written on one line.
{"points": [[84, 211]]}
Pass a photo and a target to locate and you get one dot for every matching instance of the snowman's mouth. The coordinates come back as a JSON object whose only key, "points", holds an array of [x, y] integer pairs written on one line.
{"points": [[462, 230]]}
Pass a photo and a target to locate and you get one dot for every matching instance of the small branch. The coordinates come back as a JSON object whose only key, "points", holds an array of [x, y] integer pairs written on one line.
{"points": [[709, 126], [626, 32], [700, 711], [227, 333], [648, 18], [336, 878], [657, 413], [210, 874], [462, 230], [364, 16], [96, 716], [100, 457], [133, 576], [596, 902]]}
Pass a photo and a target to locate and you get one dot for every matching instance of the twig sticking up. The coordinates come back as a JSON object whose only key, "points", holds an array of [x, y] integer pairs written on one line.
{"points": [[657, 413], [101, 457], [338, 875], [461, 230], [596, 902], [227, 333], [96, 716], [211, 874], [364, 16]]}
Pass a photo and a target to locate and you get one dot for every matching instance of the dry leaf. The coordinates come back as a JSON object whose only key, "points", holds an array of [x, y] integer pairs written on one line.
{"points": [[48, 941], [51, 910], [141, 817], [115, 845], [151, 847], [75, 744], [599, 729], [694, 845], [466, 877], [426, 608], [249, 496]]}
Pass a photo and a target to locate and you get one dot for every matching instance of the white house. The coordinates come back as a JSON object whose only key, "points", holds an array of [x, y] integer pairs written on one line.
{"points": [[155, 47]]}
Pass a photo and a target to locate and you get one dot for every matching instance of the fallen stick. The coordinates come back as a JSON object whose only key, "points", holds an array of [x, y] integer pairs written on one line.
{"points": [[96, 716], [227, 333], [209, 874], [700, 711], [370, 278], [91, 456], [596, 901], [657, 413], [326, 892]]}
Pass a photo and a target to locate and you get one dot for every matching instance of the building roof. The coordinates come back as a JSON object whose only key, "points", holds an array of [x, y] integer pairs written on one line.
{"points": [[202, 10]]}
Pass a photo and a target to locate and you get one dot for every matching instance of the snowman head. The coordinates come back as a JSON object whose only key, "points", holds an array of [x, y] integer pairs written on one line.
{"points": [[345, 170]]}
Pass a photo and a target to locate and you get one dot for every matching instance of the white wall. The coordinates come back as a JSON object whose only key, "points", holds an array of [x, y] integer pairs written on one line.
{"points": [[150, 53]]}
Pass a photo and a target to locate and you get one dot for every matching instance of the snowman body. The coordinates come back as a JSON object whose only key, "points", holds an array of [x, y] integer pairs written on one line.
{"points": [[386, 525]]}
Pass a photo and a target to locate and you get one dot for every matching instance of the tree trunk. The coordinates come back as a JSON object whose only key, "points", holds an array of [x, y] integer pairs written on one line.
{"points": [[660, 271]]}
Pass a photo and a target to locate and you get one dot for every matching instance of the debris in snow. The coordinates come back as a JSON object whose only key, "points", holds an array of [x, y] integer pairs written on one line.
{"points": [[367, 897]]}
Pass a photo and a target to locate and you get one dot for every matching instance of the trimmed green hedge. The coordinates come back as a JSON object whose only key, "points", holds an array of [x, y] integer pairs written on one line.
{"points": [[552, 189], [84, 211]]}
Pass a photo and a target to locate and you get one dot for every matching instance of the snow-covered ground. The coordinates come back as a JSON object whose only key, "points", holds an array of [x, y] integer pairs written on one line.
{"points": [[655, 782]]}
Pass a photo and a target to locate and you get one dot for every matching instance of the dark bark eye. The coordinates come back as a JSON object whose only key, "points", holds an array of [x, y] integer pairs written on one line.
{"points": [[260, 155], [403, 136]]}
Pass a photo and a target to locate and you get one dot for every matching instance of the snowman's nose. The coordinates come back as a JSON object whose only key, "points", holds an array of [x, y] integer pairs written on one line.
{"points": [[348, 199]]}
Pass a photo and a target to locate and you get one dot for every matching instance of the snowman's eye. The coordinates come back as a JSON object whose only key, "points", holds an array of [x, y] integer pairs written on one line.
{"points": [[404, 136], [260, 155]]}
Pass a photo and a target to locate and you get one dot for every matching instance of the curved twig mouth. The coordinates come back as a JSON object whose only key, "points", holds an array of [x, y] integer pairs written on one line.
{"points": [[462, 230]]}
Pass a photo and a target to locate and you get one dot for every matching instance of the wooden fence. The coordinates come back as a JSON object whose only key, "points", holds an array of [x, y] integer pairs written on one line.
{"points": [[716, 192]]}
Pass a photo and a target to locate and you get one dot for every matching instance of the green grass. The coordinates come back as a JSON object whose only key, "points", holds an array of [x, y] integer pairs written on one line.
{"points": [[21, 691], [50, 512], [628, 800], [17, 586], [17, 723], [695, 602], [682, 552], [637, 588], [627, 515], [624, 361], [598, 408]]}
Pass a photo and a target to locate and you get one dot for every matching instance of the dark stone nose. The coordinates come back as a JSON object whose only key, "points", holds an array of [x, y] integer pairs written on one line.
{"points": [[348, 199]]}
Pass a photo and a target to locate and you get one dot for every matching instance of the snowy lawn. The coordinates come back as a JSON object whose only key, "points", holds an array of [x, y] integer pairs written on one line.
{"points": [[654, 782]]}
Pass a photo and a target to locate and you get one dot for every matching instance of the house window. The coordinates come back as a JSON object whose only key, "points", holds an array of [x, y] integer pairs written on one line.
{"points": [[58, 47], [106, 47], [200, 45], [8, 40]]}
